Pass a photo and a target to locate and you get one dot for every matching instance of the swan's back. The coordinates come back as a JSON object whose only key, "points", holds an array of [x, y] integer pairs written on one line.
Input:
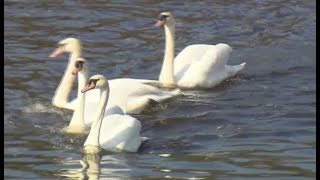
{"points": [[129, 95], [188, 55], [134, 95], [202, 65], [120, 132]]}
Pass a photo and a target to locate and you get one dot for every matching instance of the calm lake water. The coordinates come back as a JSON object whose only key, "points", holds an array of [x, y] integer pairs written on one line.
{"points": [[259, 124]]}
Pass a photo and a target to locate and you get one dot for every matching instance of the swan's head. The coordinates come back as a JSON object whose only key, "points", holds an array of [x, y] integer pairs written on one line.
{"points": [[165, 19], [67, 45], [96, 82], [78, 65]]}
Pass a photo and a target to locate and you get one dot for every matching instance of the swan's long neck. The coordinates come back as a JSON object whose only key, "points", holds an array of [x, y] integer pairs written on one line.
{"points": [[60, 99], [77, 124], [166, 76], [93, 137]]}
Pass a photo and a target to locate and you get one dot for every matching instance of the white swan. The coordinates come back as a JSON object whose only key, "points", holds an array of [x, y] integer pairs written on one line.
{"points": [[116, 131], [197, 65], [121, 99], [140, 94], [60, 98]]}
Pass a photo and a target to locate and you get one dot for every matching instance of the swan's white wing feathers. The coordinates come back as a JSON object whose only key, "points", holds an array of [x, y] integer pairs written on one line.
{"points": [[187, 56], [207, 66], [129, 95], [133, 96], [121, 132], [137, 103]]}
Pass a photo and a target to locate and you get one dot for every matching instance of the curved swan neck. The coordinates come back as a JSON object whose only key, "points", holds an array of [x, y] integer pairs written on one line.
{"points": [[60, 99], [77, 124], [93, 137], [166, 76]]}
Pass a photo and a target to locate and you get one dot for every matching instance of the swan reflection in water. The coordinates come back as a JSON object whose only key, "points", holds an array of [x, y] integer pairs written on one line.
{"points": [[91, 165]]}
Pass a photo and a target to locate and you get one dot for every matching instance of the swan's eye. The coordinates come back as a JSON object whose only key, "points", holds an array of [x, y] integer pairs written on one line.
{"points": [[78, 64], [163, 17], [61, 45], [94, 81]]}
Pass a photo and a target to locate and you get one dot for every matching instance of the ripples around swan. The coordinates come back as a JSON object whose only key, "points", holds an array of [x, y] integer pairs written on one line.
{"points": [[258, 124]]}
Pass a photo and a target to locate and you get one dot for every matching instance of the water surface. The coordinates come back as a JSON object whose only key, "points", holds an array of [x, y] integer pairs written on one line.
{"points": [[260, 123]]}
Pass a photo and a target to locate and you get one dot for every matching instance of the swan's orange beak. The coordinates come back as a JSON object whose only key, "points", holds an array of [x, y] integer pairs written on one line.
{"points": [[56, 53], [160, 23], [88, 87]]}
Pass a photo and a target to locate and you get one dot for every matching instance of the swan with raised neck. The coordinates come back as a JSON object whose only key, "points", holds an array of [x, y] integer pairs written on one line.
{"points": [[112, 131], [197, 65], [77, 123], [166, 76], [62, 93]]}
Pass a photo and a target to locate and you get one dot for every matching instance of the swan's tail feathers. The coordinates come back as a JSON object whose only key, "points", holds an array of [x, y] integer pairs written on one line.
{"points": [[241, 66], [143, 139], [176, 92], [167, 94], [137, 103], [235, 69]]}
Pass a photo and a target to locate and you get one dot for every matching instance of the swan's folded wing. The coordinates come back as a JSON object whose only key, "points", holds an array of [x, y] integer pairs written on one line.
{"points": [[137, 103], [209, 69], [217, 56], [120, 131], [187, 56], [154, 83], [150, 82]]}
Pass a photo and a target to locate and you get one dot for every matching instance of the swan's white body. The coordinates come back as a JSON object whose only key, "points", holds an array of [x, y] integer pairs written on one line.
{"points": [[133, 99], [202, 65], [197, 65], [120, 132], [131, 95], [116, 131]]}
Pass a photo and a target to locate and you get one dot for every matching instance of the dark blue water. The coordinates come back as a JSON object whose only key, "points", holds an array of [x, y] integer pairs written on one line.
{"points": [[259, 124]]}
